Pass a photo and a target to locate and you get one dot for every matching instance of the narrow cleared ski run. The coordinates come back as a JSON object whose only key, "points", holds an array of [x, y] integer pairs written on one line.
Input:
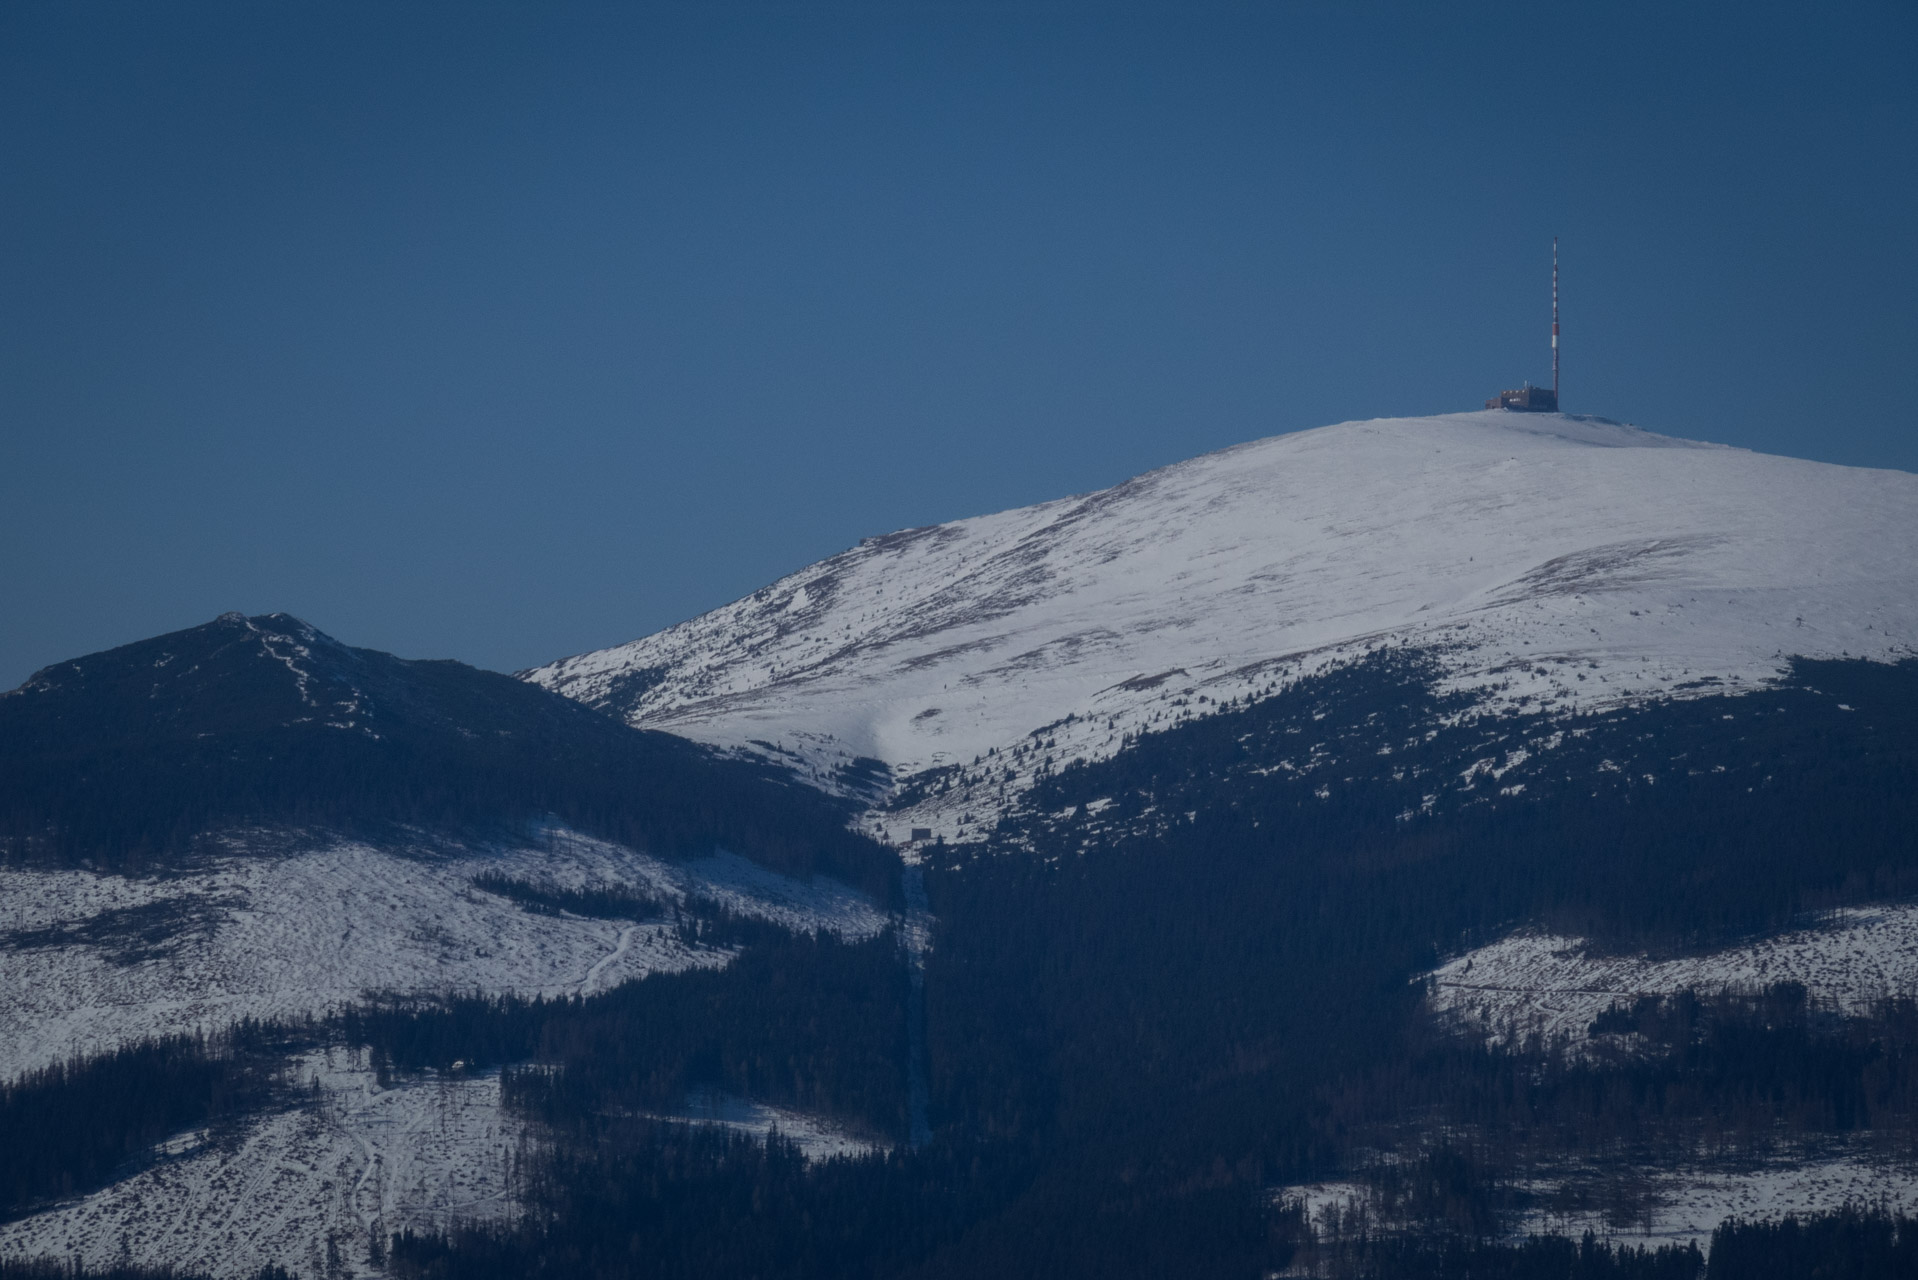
{"points": [[916, 937]]}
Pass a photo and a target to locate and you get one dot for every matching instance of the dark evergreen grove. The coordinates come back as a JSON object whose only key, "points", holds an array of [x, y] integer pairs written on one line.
{"points": [[599, 903], [1146, 1015], [70, 1128], [798, 1020]]}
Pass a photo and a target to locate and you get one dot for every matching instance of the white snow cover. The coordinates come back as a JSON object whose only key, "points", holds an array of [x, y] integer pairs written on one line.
{"points": [[1552, 987], [357, 1164], [816, 1137], [289, 934], [1519, 544], [276, 936], [1677, 1203], [1686, 1204]]}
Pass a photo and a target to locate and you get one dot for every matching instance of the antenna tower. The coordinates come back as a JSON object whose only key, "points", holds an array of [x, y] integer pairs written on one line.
{"points": [[1555, 322]]}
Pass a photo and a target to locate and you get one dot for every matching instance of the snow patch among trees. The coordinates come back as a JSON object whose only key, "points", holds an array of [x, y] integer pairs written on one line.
{"points": [[1535, 985]]}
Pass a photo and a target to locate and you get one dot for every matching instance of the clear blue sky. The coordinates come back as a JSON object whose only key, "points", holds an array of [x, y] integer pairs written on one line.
{"points": [[504, 332]]}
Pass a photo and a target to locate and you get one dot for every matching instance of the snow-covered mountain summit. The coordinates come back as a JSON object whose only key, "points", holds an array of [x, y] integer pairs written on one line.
{"points": [[1553, 561]]}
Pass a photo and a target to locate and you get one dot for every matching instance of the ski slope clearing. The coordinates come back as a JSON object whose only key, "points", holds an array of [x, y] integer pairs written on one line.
{"points": [[90, 961], [817, 1137], [312, 1188], [1679, 1202], [1683, 1205], [309, 1189], [1551, 562], [1536, 984]]}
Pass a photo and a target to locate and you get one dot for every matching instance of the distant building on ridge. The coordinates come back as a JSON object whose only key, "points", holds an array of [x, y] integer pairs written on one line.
{"points": [[1528, 398]]}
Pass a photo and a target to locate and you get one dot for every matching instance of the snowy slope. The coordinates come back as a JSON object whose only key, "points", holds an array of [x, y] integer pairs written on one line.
{"points": [[89, 962], [350, 1167], [175, 817], [354, 1164], [1536, 984], [1674, 1202], [1573, 562]]}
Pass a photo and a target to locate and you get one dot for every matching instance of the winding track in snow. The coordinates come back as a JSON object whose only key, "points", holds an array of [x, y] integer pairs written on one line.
{"points": [[618, 953]]}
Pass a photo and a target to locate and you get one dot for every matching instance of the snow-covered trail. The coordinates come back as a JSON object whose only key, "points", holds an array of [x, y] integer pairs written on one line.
{"points": [[368, 1222], [590, 983]]}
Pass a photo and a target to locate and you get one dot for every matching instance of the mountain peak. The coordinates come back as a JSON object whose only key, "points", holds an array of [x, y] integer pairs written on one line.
{"points": [[267, 721], [1545, 559], [271, 668]]}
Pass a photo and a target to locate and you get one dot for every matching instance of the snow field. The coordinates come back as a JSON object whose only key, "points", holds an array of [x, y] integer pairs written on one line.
{"points": [[1539, 985], [355, 1164], [1572, 562], [288, 936], [301, 934], [816, 1137], [1651, 1205], [1677, 1206]]}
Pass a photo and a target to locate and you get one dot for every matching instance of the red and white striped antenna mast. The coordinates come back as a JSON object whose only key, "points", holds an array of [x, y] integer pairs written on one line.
{"points": [[1555, 322]]}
